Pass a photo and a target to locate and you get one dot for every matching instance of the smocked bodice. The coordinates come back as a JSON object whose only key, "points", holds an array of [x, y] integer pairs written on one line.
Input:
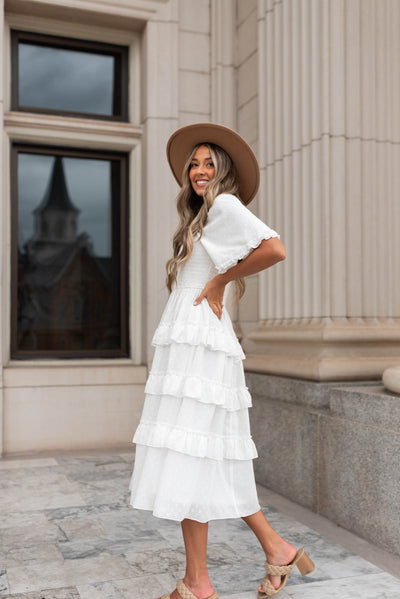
{"points": [[197, 270]]}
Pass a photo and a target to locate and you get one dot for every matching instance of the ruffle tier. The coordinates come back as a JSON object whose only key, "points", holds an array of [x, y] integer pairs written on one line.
{"points": [[199, 361], [182, 486], [196, 398], [184, 425], [182, 322], [201, 389], [193, 443]]}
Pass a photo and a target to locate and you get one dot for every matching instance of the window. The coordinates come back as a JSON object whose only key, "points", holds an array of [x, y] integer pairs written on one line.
{"points": [[70, 201], [69, 77], [69, 253]]}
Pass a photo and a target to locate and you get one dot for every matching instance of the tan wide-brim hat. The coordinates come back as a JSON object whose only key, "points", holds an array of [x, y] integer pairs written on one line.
{"points": [[182, 142]]}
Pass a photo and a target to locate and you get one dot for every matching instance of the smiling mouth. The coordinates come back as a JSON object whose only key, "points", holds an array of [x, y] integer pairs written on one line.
{"points": [[201, 182]]}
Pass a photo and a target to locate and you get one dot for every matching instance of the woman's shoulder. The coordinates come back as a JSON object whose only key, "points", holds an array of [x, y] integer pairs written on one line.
{"points": [[226, 199], [226, 203]]}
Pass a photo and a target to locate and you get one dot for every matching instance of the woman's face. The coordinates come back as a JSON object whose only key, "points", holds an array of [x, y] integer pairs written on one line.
{"points": [[201, 170]]}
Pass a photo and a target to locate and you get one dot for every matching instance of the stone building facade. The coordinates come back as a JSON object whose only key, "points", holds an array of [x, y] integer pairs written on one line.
{"points": [[314, 87]]}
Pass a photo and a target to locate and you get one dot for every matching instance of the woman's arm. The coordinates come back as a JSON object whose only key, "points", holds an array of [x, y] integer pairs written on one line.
{"points": [[269, 252]]}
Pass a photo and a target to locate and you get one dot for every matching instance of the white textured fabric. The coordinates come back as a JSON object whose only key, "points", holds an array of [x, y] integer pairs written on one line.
{"points": [[232, 231], [194, 449], [175, 486]]}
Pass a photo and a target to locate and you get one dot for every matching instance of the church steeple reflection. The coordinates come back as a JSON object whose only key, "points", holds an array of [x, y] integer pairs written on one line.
{"points": [[56, 217], [64, 290]]}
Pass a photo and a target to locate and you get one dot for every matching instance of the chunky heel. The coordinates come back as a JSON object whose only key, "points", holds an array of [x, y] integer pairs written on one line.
{"points": [[301, 560], [304, 563]]}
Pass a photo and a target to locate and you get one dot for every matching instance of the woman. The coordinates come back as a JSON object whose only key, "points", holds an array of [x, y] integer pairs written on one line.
{"points": [[194, 451]]}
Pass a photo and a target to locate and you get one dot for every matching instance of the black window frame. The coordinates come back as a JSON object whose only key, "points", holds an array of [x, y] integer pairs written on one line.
{"points": [[120, 94], [120, 234]]}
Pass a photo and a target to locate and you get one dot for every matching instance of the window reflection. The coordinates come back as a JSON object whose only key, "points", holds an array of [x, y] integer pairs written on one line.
{"points": [[68, 257], [65, 80], [69, 76]]}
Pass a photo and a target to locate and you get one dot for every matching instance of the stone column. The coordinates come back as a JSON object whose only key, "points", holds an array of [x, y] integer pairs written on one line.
{"points": [[329, 150], [223, 85], [160, 107], [177, 82]]}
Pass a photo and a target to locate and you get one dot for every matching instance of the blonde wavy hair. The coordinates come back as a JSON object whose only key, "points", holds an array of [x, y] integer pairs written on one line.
{"points": [[193, 209]]}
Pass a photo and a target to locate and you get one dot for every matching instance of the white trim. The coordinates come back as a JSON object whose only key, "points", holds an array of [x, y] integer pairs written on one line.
{"points": [[136, 328], [65, 373], [74, 30], [126, 14], [6, 50], [161, 105], [71, 131], [134, 83], [6, 251]]}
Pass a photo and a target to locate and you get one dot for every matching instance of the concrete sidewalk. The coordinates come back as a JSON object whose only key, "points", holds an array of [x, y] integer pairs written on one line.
{"points": [[67, 532]]}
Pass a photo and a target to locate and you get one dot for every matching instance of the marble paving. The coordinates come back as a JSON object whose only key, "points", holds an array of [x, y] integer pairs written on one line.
{"points": [[67, 532]]}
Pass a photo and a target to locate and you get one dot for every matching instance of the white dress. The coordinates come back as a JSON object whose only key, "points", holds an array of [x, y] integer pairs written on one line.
{"points": [[194, 450]]}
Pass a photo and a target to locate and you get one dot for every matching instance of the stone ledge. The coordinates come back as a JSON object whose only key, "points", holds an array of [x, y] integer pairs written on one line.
{"points": [[298, 391], [331, 447], [371, 405]]}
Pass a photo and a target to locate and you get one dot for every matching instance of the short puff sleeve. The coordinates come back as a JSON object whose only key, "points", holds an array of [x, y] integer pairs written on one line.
{"points": [[232, 232]]}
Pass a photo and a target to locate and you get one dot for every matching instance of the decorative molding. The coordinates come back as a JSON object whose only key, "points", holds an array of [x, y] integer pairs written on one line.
{"points": [[326, 349], [45, 24], [328, 330], [341, 367], [124, 14], [25, 126], [81, 373]]}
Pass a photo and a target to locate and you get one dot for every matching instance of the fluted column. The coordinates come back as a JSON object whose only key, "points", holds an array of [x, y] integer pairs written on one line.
{"points": [[329, 149], [223, 94], [223, 84]]}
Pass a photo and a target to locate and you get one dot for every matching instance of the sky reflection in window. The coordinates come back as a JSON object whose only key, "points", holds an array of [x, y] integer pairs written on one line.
{"points": [[65, 80], [89, 186]]}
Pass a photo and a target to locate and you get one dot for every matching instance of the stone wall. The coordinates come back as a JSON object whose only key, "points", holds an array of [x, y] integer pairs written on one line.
{"points": [[334, 448]]}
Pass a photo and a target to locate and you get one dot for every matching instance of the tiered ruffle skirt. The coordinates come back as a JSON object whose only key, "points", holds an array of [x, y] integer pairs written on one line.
{"points": [[194, 450]]}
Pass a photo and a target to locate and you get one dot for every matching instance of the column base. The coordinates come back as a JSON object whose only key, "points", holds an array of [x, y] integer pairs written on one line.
{"points": [[391, 379], [326, 349]]}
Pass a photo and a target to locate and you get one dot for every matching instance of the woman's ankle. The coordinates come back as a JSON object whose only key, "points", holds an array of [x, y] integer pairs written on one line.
{"points": [[199, 585], [280, 554]]}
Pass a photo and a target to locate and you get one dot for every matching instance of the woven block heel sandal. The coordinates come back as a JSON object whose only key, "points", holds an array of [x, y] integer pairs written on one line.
{"points": [[301, 560], [186, 593]]}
